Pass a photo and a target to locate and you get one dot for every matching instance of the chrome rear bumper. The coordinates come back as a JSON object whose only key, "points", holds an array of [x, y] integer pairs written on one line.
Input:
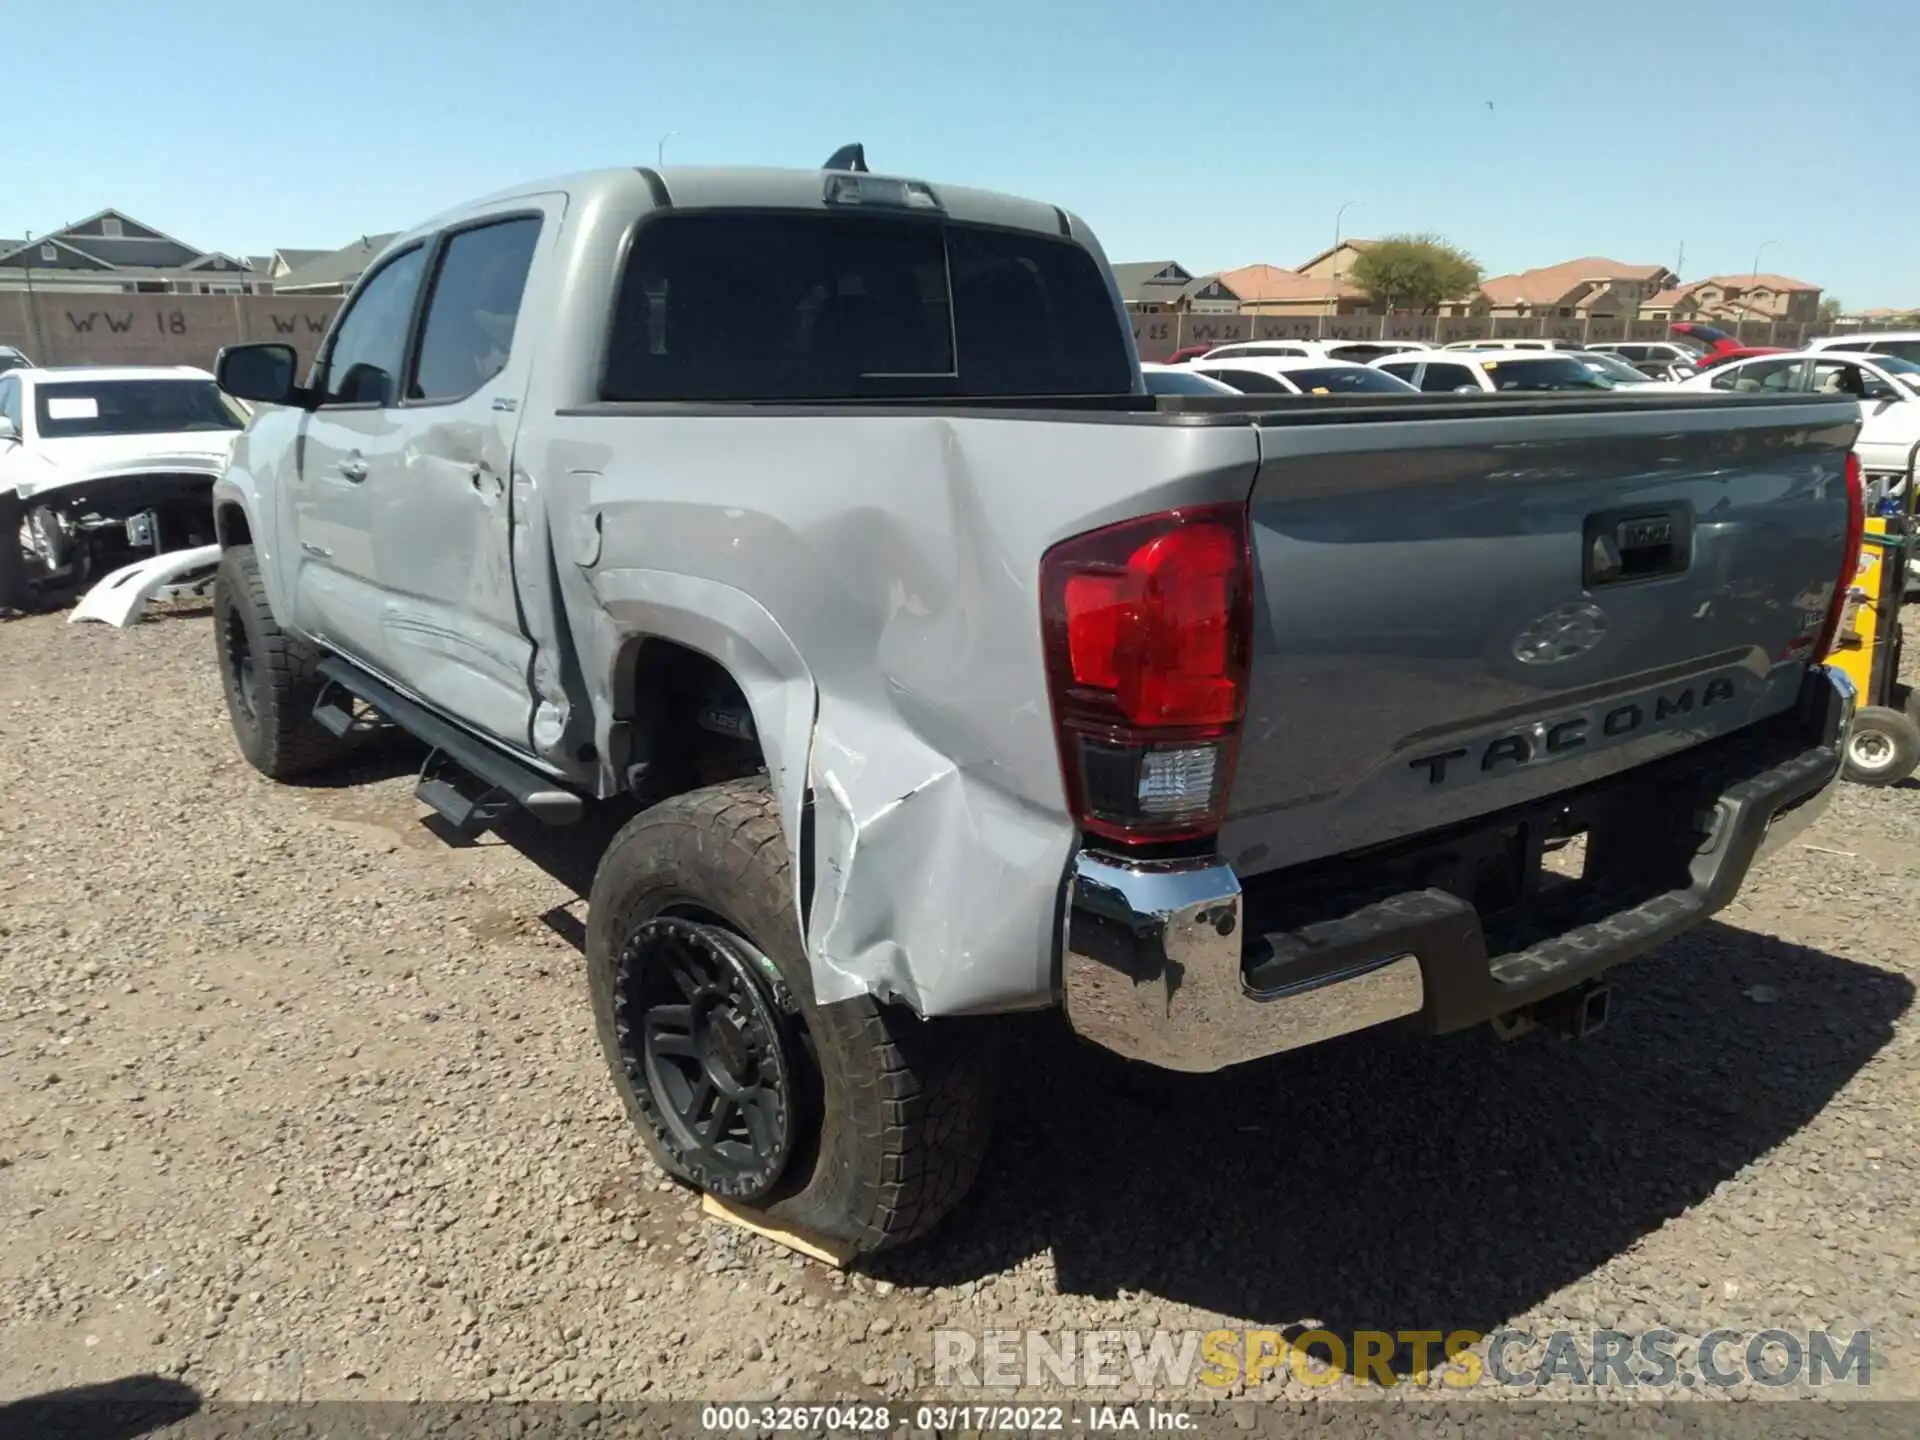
{"points": [[1152, 972], [1153, 960]]}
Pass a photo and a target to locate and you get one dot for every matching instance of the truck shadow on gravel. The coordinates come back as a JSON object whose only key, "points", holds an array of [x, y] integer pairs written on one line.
{"points": [[1384, 1181], [1388, 1182], [114, 1410]]}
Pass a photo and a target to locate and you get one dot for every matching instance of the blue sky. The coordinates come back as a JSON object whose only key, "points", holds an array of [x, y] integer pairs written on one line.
{"points": [[1217, 135]]}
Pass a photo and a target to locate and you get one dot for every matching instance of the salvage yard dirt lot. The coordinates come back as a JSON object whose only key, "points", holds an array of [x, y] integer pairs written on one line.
{"points": [[297, 1100]]}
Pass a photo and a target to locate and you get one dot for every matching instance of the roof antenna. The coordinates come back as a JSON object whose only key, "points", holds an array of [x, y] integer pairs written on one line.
{"points": [[848, 157]]}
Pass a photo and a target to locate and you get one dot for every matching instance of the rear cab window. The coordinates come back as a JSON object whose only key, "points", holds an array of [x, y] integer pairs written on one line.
{"points": [[723, 306]]}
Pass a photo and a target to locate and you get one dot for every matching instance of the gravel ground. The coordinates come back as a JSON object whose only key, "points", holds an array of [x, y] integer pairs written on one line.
{"points": [[299, 1101]]}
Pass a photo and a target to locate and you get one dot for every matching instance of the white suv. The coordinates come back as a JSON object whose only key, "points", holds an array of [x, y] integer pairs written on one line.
{"points": [[1902, 344]]}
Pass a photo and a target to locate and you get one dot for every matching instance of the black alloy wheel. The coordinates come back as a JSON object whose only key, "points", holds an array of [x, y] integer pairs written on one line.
{"points": [[713, 1054], [243, 678]]}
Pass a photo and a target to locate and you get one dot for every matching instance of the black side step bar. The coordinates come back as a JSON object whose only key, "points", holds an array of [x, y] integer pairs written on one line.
{"points": [[468, 781]]}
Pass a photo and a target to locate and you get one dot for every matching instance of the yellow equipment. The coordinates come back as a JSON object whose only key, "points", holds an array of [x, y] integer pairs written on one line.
{"points": [[1885, 744]]}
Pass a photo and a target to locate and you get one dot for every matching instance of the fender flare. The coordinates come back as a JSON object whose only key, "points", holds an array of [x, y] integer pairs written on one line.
{"points": [[738, 634], [237, 487]]}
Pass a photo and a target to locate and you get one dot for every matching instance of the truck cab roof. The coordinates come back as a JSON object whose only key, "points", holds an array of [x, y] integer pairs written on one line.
{"points": [[742, 187]]}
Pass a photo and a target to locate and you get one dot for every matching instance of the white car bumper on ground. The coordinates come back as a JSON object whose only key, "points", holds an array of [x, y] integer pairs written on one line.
{"points": [[119, 599]]}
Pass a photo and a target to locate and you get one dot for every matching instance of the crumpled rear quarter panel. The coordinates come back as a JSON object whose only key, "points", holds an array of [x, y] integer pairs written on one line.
{"points": [[894, 559]]}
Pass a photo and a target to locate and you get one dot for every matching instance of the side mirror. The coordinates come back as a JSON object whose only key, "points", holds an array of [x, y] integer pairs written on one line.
{"points": [[1885, 403], [8, 435], [262, 373]]}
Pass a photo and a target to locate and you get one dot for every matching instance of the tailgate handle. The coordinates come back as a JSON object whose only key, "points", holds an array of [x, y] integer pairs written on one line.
{"points": [[1625, 545]]}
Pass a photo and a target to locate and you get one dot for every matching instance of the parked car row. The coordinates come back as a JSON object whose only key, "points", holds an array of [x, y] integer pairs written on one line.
{"points": [[1881, 372], [1311, 368], [1694, 346], [1494, 371]]}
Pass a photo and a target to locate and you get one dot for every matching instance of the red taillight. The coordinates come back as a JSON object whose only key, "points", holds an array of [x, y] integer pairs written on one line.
{"points": [[1148, 625], [1850, 558]]}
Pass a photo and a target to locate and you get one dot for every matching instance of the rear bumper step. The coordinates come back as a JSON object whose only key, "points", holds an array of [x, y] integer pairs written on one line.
{"points": [[466, 779], [1173, 964]]}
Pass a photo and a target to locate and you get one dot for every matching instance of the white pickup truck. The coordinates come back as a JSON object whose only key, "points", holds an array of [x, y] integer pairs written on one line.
{"points": [[821, 521]]}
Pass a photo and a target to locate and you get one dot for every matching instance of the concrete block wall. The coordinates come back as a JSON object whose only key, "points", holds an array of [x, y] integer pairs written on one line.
{"points": [[89, 329]]}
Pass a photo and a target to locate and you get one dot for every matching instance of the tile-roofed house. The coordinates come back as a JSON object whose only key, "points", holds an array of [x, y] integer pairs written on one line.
{"points": [[1591, 285], [110, 251], [1763, 296], [1676, 302], [1336, 262], [1752, 296], [334, 271], [1274, 290], [1152, 286]]}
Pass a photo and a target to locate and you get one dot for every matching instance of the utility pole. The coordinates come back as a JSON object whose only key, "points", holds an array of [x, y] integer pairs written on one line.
{"points": [[1334, 278], [660, 150]]}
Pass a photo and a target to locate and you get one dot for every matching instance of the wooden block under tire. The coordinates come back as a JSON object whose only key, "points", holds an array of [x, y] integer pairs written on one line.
{"points": [[815, 1247]]}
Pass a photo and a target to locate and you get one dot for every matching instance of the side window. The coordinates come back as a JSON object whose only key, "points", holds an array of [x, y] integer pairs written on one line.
{"points": [[1401, 371], [362, 365], [1874, 387], [471, 310], [1635, 353], [1445, 379], [1840, 379], [1773, 377], [10, 404]]}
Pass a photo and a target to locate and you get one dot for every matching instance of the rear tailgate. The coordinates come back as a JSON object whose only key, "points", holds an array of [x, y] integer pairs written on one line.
{"points": [[1462, 612]]}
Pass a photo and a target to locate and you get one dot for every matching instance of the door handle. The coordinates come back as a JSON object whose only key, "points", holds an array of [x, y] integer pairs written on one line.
{"points": [[320, 550], [353, 468], [487, 484]]}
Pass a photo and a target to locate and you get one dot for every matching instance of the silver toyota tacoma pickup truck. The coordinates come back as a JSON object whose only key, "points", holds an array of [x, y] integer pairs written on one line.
{"points": [[822, 520]]}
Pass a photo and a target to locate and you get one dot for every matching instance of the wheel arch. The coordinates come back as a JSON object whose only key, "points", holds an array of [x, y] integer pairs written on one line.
{"points": [[685, 625], [241, 517]]}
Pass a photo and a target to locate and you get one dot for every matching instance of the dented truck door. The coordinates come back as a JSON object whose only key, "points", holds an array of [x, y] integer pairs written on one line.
{"points": [[442, 530]]}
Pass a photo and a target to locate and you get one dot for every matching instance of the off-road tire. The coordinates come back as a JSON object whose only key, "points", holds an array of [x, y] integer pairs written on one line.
{"points": [[902, 1106], [280, 738]]}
